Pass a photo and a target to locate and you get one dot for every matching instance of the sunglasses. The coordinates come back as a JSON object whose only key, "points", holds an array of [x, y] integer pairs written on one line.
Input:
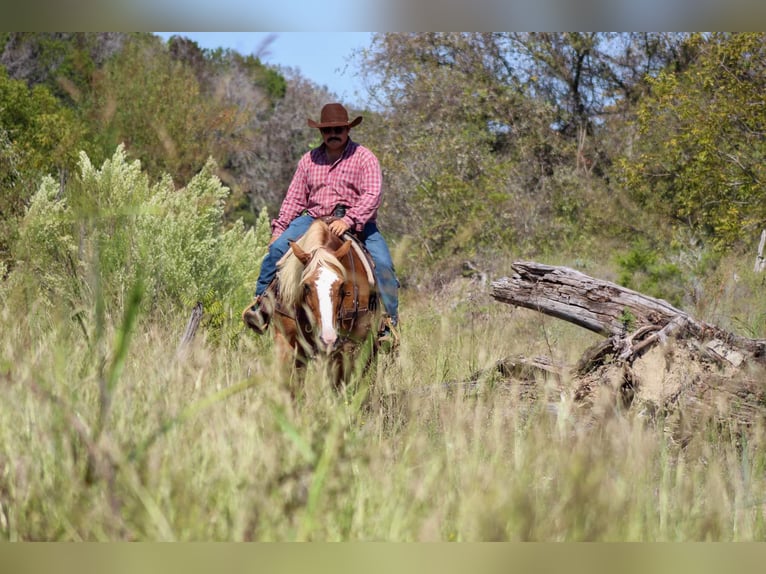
{"points": [[336, 130]]}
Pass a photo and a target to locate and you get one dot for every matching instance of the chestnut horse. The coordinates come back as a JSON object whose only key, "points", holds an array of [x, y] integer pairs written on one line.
{"points": [[326, 303]]}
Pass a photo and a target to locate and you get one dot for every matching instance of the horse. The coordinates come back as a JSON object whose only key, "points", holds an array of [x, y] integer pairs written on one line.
{"points": [[324, 303]]}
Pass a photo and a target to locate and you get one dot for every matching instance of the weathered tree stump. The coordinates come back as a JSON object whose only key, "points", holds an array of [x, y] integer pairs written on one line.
{"points": [[191, 330]]}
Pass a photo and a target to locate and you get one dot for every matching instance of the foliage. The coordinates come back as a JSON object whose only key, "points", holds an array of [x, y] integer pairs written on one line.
{"points": [[228, 62], [38, 135], [453, 146], [44, 133], [699, 157], [500, 139], [111, 226], [646, 270], [172, 105], [63, 62], [153, 104]]}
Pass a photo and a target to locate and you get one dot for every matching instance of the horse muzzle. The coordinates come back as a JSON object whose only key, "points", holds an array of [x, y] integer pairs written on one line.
{"points": [[330, 345]]}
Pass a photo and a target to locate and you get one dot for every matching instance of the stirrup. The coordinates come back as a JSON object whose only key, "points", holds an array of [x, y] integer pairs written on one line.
{"points": [[388, 336], [255, 316]]}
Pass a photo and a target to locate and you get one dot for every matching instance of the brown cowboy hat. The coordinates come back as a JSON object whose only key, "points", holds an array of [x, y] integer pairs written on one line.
{"points": [[334, 115]]}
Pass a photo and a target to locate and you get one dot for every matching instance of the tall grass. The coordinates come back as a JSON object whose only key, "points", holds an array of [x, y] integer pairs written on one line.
{"points": [[212, 447]]}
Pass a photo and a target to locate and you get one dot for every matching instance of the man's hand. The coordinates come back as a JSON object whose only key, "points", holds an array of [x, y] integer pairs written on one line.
{"points": [[339, 227]]}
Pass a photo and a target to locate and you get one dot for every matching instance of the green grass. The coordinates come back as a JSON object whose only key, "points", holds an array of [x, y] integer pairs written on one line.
{"points": [[213, 448]]}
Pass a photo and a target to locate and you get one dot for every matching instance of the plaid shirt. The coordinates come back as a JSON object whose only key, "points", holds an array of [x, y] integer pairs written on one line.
{"points": [[354, 180]]}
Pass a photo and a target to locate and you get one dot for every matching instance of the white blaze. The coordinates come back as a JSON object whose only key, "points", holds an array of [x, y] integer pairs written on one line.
{"points": [[324, 282]]}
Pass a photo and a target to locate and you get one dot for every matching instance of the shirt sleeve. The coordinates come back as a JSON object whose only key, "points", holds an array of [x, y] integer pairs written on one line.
{"points": [[370, 190], [295, 201]]}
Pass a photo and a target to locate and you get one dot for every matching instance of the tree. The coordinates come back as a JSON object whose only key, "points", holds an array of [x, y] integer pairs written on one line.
{"points": [[469, 143], [155, 106], [447, 109], [64, 62], [508, 139], [38, 136], [172, 104], [699, 154]]}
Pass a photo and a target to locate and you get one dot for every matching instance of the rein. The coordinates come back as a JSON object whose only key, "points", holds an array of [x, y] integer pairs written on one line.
{"points": [[350, 314]]}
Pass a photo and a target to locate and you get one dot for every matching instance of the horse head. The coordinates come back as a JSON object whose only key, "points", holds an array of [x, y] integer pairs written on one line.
{"points": [[322, 283]]}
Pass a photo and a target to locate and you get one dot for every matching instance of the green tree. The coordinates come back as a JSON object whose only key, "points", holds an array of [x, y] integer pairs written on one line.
{"points": [[154, 105], [699, 151], [64, 62], [38, 136]]}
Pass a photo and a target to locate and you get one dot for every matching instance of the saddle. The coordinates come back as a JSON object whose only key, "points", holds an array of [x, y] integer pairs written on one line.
{"points": [[358, 246]]}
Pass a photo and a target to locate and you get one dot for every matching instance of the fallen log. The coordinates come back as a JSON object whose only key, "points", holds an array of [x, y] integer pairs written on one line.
{"points": [[633, 321], [655, 357]]}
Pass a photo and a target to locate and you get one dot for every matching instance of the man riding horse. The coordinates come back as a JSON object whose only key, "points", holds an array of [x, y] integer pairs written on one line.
{"points": [[340, 178]]}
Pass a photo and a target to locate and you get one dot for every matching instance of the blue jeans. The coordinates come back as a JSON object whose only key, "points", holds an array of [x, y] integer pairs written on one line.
{"points": [[388, 285]]}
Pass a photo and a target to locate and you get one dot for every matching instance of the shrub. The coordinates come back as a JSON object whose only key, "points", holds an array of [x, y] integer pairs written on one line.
{"points": [[111, 227]]}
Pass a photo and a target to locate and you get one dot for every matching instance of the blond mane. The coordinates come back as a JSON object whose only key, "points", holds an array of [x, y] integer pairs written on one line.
{"points": [[290, 270]]}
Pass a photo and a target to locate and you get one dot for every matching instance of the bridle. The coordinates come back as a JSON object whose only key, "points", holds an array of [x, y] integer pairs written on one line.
{"points": [[347, 314]]}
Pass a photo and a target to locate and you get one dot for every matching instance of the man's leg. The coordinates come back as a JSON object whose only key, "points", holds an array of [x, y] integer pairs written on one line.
{"points": [[258, 314], [388, 284], [297, 227]]}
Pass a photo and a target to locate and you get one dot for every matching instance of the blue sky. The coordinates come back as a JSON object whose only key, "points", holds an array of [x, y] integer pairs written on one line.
{"points": [[322, 57]]}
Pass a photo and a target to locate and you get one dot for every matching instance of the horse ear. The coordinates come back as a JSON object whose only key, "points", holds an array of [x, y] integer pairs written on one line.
{"points": [[302, 256], [343, 249]]}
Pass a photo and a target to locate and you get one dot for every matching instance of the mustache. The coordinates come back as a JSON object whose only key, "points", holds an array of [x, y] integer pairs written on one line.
{"points": [[333, 139]]}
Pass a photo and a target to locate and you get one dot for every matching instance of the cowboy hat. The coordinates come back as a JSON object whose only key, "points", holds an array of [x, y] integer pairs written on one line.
{"points": [[334, 115]]}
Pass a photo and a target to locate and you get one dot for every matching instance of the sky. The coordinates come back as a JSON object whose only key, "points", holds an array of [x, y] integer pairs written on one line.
{"points": [[322, 57]]}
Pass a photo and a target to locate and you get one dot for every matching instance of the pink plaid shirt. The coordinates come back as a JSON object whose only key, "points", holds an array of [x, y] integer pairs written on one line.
{"points": [[354, 180]]}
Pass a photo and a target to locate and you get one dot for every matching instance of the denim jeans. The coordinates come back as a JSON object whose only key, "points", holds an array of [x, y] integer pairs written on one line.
{"points": [[388, 285]]}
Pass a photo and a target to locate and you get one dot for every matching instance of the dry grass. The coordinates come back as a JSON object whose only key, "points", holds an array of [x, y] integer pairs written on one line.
{"points": [[213, 448]]}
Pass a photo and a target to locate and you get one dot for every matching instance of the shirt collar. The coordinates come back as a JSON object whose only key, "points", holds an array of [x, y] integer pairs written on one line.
{"points": [[350, 146]]}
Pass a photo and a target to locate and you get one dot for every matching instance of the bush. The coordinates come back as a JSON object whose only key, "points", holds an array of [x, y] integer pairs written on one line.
{"points": [[646, 270], [111, 228]]}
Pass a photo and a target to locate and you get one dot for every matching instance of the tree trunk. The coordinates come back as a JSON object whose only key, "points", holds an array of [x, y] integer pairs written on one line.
{"points": [[760, 260], [191, 330]]}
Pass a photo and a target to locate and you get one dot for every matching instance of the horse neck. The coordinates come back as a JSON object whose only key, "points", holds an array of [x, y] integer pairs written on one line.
{"points": [[319, 241]]}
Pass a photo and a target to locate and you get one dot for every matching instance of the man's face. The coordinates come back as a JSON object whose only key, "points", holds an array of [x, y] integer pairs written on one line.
{"points": [[335, 138]]}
